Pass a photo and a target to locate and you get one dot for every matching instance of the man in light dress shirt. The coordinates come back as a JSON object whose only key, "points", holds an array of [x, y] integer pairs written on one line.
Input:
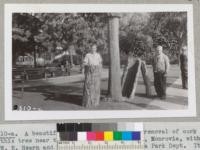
{"points": [[160, 68]]}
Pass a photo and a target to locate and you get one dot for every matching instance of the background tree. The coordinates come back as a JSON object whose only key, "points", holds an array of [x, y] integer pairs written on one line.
{"points": [[168, 29], [139, 32], [77, 30], [132, 37], [25, 28]]}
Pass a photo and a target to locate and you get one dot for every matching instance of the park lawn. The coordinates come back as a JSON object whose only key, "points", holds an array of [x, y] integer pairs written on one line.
{"points": [[69, 96]]}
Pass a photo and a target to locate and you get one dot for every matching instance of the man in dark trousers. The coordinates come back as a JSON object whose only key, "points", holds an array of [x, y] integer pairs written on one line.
{"points": [[184, 67], [160, 69]]}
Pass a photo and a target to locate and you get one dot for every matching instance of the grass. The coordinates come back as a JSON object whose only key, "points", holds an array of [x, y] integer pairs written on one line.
{"points": [[69, 96]]}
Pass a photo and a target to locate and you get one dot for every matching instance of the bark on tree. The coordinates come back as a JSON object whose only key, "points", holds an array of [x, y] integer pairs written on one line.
{"points": [[71, 49], [34, 55], [71, 60], [130, 78], [114, 86], [91, 91]]}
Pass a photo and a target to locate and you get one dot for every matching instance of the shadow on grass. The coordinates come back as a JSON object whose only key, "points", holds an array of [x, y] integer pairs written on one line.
{"points": [[68, 94], [143, 95], [72, 93], [144, 105], [73, 99], [169, 84]]}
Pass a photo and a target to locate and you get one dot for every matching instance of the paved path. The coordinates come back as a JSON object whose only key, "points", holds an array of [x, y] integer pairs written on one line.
{"points": [[173, 91], [169, 103]]}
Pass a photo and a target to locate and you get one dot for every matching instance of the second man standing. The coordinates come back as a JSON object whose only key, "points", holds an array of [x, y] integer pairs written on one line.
{"points": [[160, 69]]}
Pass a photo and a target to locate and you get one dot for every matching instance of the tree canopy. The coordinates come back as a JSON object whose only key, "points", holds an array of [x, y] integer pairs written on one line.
{"points": [[139, 32]]}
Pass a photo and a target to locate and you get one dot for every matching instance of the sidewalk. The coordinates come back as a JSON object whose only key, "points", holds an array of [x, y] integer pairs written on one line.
{"points": [[176, 98]]}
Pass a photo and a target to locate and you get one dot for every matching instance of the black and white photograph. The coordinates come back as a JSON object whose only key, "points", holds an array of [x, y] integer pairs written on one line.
{"points": [[99, 61]]}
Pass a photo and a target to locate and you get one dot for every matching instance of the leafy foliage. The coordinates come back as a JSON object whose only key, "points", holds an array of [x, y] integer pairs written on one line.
{"points": [[139, 32], [168, 29]]}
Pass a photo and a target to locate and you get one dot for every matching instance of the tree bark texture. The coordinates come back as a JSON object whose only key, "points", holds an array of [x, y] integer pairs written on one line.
{"points": [[146, 79], [91, 91], [34, 55], [130, 78], [114, 70]]}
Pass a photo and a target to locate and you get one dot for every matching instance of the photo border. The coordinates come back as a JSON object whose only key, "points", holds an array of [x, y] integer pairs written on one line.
{"points": [[101, 114]]}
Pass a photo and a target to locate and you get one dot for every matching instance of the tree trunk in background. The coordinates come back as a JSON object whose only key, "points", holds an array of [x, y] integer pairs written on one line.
{"points": [[71, 59], [114, 71], [81, 63], [146, 79], [71, 51], [34, 55]]}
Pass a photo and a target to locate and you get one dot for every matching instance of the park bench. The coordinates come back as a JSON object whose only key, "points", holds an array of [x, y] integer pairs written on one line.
{"points": [[35, 73], [18, 74], [18, 78], [50, 72], [53, 72]]}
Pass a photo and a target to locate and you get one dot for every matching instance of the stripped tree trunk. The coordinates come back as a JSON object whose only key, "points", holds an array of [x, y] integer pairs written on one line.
{"points": [[146, 79], [114, 70]]}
